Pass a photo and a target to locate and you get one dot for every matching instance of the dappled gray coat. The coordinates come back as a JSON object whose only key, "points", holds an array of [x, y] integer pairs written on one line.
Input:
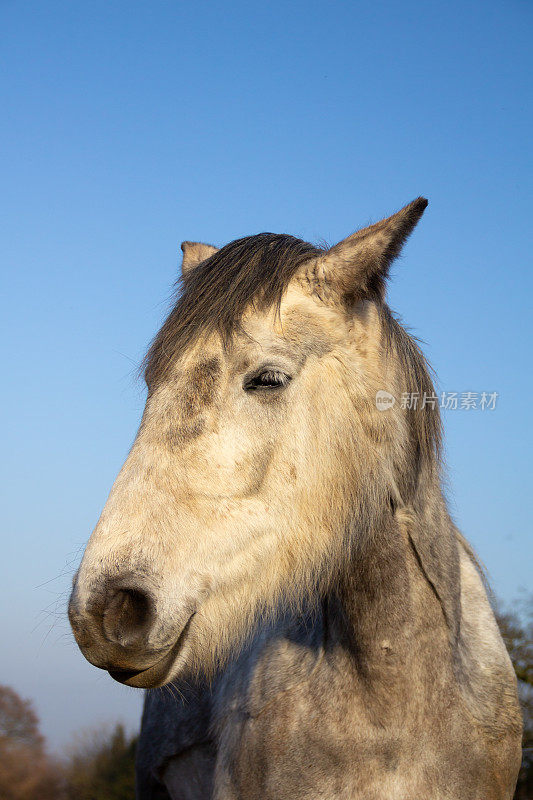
{"points": [[273, 502]]}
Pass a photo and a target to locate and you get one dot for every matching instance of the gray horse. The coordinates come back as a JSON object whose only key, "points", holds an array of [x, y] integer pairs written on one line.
{"points": [[276, 550]]}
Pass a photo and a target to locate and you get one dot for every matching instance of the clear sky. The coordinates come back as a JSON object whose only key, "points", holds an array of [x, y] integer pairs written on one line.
{"points": [[128, 127]]}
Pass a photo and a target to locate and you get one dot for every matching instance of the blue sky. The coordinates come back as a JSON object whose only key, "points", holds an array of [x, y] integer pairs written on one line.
{"points": [[128, 127]]}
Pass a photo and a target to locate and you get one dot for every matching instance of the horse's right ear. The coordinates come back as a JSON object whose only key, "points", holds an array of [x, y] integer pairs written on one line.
{"points": [[194, 253], [357, 267]]}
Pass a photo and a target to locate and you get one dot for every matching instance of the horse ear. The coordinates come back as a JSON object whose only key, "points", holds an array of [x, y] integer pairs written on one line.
{"points": [[194, 253], [358, 266]]}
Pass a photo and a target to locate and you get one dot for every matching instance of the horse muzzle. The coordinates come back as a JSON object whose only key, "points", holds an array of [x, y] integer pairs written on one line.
{"points": [[117, 629]]}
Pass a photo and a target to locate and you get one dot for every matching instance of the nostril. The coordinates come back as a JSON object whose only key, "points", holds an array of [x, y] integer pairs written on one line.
{"points": [[128, 617]]}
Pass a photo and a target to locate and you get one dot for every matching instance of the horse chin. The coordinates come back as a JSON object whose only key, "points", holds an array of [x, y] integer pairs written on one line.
{"points": [[158, 673]]}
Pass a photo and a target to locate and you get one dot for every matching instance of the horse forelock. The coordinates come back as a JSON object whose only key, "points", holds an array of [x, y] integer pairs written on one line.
{"points": [[213, 296]]}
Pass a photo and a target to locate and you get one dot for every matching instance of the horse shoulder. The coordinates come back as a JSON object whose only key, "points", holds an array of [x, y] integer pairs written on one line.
{"points": [[485, 672]]}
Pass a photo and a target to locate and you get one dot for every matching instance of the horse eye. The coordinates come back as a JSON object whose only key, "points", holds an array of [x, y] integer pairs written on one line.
{"points": [[269, 379]]}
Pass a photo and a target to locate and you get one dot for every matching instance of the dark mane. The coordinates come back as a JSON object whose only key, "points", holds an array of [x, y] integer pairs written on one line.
{"points": [[424, 419], [215, 294]]}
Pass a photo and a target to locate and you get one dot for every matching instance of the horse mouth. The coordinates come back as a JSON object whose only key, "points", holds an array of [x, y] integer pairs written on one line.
{"points": [[158, 673]]}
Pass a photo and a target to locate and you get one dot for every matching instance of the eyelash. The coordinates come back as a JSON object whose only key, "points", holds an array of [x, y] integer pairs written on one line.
{"points": [[267, 379]]}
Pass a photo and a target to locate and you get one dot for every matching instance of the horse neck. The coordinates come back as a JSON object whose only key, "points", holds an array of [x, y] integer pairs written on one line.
{"points": [[400, 581], [369, 605]]}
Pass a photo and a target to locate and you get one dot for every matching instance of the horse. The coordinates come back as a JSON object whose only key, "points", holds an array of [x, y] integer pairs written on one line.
{"points": [[277, 551]]}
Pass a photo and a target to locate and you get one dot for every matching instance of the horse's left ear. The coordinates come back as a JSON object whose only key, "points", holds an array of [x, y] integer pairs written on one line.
{"points": [[194, 253], [358, 266]]}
